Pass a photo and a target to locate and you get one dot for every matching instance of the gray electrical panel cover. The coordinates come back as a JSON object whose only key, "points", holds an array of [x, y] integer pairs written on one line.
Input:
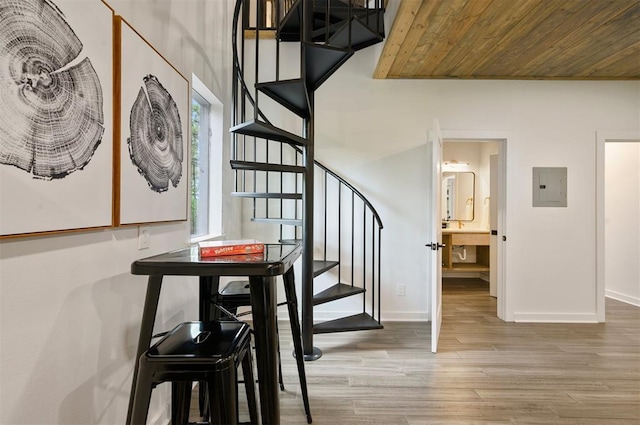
{"points": [[549, 186]]}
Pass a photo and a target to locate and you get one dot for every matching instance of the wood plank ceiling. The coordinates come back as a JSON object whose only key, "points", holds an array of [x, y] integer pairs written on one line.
{"points": [[514, 39]]}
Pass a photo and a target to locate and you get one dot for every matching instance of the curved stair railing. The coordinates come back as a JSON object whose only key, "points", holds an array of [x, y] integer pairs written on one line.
{"points": [[338, 228]]}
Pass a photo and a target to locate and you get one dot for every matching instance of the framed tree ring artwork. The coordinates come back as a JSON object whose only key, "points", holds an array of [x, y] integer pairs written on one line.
{"points": [[56, 116], [154, 134]]}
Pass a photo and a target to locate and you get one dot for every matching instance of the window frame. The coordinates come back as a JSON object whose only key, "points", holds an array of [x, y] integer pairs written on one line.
{"points": [[214, 134]]}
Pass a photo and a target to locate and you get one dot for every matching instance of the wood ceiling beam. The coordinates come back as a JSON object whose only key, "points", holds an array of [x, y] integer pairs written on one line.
{"points": [[401, 25]]}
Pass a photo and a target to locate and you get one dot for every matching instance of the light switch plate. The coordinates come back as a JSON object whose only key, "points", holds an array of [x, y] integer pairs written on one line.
{"points": [[144, 238]]}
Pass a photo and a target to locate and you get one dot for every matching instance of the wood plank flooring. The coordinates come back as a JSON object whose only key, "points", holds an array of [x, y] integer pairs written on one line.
{"points": [[486, 371]]}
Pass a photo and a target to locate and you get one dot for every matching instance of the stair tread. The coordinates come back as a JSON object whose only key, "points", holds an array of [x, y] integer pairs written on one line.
{"points": [[291, 94], [361, 36], [336, 292], [292, 22], [319, 33], [287, 221], [321, 266], [336, 5], [290, 241], [264, 166], [322, 61], [357, 322], [263, 130], [273, 195]]}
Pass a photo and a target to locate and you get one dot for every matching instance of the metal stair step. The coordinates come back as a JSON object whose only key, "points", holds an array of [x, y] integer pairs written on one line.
{"points": [[322, 61], [336, 292], [285, 221], [319, 34], [290, 241], [362, 36], [338, 9], [269, 195], [292, 94], [263, 130], [292, 22], [357, 322], [264, 166], [370, 18], [321, 266]]}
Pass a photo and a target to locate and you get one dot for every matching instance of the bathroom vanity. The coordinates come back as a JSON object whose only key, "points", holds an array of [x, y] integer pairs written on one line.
{"points": [[465, 237]]}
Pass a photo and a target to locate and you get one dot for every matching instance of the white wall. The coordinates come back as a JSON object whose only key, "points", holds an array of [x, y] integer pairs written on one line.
{"points": [[622, 221], [69, 307]]}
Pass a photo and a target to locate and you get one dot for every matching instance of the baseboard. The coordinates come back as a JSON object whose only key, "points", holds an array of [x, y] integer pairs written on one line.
{"points": [[405, 316], [622, 297], [555, 317]]}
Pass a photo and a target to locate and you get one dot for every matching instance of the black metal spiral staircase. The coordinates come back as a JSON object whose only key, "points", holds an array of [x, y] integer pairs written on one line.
{"points": [[275, 167]]}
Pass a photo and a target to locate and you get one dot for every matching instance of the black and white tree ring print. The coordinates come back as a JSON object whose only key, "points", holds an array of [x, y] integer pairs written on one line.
{"points": [[155, 144], [51, 100]]}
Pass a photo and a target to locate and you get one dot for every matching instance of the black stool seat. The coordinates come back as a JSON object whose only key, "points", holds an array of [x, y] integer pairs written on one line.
{"points": [[236, 294], [208, 352]]}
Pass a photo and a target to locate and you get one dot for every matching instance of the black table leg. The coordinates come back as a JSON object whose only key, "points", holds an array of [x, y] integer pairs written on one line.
{"points": [[209, 287], [149, 311], [263, 310], [208, 295], [292, 305]]}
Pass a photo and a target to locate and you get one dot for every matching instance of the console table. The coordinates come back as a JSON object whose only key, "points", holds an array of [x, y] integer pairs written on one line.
{"points": [[261, 269]]}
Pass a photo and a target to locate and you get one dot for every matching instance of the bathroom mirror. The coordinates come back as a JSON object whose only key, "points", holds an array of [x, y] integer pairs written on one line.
{"points": [[458, 200]]}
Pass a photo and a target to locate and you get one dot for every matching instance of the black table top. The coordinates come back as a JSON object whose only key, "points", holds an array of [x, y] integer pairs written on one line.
{"points": [[276, 259]]}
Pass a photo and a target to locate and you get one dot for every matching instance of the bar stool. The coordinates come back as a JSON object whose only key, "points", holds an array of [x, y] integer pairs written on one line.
{"points": [[208, 352], [237, 294]]}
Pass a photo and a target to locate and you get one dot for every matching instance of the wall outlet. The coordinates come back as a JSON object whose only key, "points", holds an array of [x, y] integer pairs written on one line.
{"points": [[400, 290], [144, 238]]}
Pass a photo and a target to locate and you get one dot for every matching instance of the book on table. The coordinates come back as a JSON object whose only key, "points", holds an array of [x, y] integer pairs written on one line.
{"points": [[234, 247]]}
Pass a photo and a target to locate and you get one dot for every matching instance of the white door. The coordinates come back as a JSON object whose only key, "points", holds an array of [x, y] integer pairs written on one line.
{"points": [[493, 225], [434, 230]]}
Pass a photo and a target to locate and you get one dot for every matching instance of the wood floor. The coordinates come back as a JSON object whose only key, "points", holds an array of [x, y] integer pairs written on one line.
{"points": [[486, 371]]}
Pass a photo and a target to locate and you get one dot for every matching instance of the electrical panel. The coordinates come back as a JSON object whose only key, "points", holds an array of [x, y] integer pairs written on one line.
{"points": [[549, 186]]}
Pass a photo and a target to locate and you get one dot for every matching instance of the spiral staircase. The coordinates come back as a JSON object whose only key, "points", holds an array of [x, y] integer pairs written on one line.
{"points": [[273, 150]]}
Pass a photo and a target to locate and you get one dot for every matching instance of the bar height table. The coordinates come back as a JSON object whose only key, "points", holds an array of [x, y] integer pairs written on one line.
{"points": [[261, 269]]}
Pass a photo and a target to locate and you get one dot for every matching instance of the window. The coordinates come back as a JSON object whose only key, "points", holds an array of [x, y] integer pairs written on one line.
{"points": [[206, 163]]}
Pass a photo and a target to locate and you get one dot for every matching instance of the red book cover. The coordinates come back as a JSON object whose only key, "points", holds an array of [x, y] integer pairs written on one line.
{"points": [[222, 248]]}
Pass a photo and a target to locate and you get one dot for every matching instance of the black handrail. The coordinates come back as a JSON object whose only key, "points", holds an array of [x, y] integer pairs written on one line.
{"points": [[353, 189], [240, 78]]}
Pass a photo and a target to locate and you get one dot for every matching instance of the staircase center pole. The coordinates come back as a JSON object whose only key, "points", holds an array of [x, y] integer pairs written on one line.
{"points": [[310, 352]]}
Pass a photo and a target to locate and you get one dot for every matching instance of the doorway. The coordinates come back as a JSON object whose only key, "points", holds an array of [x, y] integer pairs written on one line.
{"points": [[472, 154], [618, 227]]}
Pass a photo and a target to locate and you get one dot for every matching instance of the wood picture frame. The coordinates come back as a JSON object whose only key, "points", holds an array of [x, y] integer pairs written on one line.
{"points": [[152, 158], [56, 116]]}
